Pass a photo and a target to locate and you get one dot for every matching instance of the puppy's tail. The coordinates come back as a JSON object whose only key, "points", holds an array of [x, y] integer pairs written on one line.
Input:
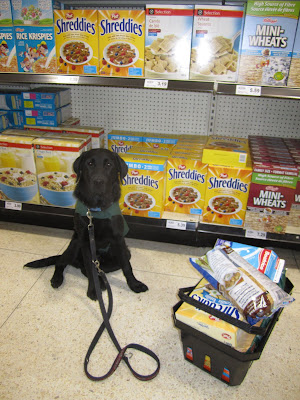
{"points": [[44, 262]]}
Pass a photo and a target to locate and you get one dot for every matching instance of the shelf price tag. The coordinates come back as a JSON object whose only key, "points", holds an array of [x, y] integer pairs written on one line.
{"points": [[171, 224], [156, 83], [248, 90], [11, 205], [256, 234]]}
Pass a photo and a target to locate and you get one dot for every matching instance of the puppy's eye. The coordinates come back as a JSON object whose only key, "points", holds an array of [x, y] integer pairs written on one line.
{"points": [[90, 163], [108, 164]]}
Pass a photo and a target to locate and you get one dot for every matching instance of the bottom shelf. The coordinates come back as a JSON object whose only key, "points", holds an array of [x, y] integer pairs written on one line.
{"points": [[172, 228]]}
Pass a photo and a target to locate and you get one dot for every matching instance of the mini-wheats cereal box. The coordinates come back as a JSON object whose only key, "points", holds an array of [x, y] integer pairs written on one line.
{"points": [[226, 197], [46, 98], [294, 75], [217, 32], [185, 184], [54, 158], [121, 42], [268, 40], [76, 36], [18, 181], [168, 41], [8, 56], [143, 189]]}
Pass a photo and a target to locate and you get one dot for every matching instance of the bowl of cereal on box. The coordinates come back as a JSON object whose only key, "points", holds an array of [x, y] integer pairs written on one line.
{"points": [[76, 52], [57, 188], [121, 54], [18, 184], [185, 194], [224, 204], [139, 201]]}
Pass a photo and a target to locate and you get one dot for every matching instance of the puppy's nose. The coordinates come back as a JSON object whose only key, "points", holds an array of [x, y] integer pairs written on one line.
{"points": [[98, 181]]}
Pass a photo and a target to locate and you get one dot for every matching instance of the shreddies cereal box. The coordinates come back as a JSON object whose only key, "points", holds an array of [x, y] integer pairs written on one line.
{"points": [[143, 189], [216, 42], [8, 56], [168, 41], [226, 197], [122, 141], [294, 75], [121, 42], [268, 40], [76, 36], [186, 184], [18, 179]]}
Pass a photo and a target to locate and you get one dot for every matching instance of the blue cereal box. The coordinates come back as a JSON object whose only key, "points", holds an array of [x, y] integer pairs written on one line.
{"points": [[47, 117], [268, 40], [168, 41], [4, 122], [46, 98], [8, 58], [11, 99], [294, 75], [15, 119]]}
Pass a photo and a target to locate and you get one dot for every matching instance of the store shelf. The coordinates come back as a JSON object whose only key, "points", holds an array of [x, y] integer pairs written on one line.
{"points": [[266, 91]]}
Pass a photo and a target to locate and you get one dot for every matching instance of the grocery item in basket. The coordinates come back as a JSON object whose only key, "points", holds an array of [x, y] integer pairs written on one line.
{"points": [[252, 292]]}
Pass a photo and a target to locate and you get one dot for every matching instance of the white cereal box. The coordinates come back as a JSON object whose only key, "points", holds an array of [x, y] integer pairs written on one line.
{"points": [[217, 32], [268, 40], [168, 41]]}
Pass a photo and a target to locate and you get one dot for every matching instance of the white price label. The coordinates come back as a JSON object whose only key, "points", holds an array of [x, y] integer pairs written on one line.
{"points": [[156, 83], [256, 234], [176, 224], [248, 90], [11, 205]]}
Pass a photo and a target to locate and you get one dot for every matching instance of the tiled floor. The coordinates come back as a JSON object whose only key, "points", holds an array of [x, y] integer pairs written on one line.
{"points": [[45, 333]]}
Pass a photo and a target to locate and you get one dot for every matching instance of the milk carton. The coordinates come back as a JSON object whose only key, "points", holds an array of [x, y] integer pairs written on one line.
{"points": [[8, 57], [268, 40], [217, 31], [168, 41]]}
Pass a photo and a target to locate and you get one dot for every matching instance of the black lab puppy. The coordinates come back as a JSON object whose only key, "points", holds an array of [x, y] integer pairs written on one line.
{"points": [[99, 175]]}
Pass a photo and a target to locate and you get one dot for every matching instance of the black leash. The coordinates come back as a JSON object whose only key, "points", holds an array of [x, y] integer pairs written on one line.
{"points": [[106, 314]]}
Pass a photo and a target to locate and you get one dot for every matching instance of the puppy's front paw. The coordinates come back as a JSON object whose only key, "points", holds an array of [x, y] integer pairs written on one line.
{"points": [[56, 281], [137, 286]]}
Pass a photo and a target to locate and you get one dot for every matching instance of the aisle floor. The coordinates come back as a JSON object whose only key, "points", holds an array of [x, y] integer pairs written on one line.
{"points": [[45, 333]]}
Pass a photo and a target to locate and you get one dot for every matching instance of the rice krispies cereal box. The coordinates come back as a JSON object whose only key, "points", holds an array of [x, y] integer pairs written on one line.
{"points": [[121, 42], [18, 181], [143, 189], [54, 158], [226, 197], [185, 184], [217, 32], [8, 56], [121, 141], [294, 74], [168, 41], [268, 39], [76, 37]]}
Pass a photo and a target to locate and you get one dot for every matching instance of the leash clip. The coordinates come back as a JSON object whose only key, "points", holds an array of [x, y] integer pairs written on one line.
{"points": [[90, 217]]}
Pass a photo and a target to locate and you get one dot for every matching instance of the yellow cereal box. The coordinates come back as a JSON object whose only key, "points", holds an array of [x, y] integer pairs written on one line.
{"points": [[121, 42], [122, 141], [185, 184], [76, 38], [143, 189], [226, 150], [226, 197], [160, 152], [18, 181], [160, 141]]}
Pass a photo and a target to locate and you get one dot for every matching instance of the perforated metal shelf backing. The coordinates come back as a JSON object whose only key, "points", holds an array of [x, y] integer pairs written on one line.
{"points": [[243, 116], [142, 109]]}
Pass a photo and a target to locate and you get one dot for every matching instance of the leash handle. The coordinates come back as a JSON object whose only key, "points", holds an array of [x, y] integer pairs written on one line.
{"points": [[106, 324]]}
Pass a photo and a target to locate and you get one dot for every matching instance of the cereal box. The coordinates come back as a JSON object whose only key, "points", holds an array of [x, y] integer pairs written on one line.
{"points": [[15, 118], [149, 151], [8, 56], [294, 75], [4, 122], [97, 134], [11, 99], [45, 129], [217, 31], [214, 327], [160, 141], [54, 158], [122, 141], [143, 189], [186, 184], [226, 197], [46, 98], [18, 179], [47, 117], [76, 36], [168, 41], [121, 42], [33, 12], [268, 40], [226, 150]]}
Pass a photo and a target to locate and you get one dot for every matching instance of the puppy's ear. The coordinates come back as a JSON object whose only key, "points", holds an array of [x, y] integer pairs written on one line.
{"points": [[77, 165], [121, 166]]}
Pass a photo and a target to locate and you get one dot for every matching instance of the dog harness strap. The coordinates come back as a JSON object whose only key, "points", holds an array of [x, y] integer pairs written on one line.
{"points": [[106, 314]]}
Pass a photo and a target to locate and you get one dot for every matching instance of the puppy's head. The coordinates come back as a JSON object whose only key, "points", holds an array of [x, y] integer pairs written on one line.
{"points": [[99, 176]]}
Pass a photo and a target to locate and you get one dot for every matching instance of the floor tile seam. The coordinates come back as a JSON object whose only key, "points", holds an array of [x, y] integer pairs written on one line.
{"points": [[40, 255], [21, 300], [166, 274]]}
